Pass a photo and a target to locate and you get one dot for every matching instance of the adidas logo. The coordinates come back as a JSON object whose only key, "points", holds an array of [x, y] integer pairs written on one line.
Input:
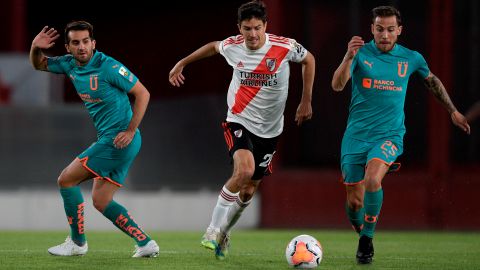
{"points": [[240, 65]]}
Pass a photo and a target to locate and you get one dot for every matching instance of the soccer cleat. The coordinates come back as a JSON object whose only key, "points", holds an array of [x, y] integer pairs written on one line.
{"points": [[209, 239], [365, 250], [151, 249], [68, 248], [221, 250]]}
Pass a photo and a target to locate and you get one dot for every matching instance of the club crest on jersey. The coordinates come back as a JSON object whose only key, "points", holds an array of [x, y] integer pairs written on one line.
{"points": [[93, 82], [238, 133], [404, 66], [271, 63]]}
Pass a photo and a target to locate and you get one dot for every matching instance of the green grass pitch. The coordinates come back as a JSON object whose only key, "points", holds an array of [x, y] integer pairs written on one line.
{"points": [[251, 249]]}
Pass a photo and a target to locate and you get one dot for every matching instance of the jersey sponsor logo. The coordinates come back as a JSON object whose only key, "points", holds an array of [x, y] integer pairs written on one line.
{"points": [[115, 66], [402, 66], [367, 83], [93, 82], [123, 71], [88, 98], [238, 133], [380, 84], [368, 64], [72, 77], [240, 65], [257, 79], [271, 63]]}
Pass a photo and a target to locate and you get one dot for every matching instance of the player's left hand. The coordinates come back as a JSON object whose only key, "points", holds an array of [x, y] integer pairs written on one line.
{"points": [[460, 121], [123, 139], [304, 112]]}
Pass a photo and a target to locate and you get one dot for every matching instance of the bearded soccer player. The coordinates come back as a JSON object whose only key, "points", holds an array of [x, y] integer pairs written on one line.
{"points": [[373, 139], [256, 100], [103, 84]]}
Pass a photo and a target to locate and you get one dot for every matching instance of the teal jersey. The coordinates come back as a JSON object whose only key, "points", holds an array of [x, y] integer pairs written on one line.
{"points": [[103, 85], [379, 87]]}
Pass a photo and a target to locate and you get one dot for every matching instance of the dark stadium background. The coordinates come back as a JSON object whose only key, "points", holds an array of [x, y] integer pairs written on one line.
{"points": [[183, 144]]}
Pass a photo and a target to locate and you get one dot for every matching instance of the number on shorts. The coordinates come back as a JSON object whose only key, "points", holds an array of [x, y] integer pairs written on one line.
{"points": [[267, 159]]}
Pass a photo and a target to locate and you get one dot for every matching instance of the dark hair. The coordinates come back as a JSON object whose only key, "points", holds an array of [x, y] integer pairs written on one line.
{"points": [[254, 9], [386, 11], [78, 26]]}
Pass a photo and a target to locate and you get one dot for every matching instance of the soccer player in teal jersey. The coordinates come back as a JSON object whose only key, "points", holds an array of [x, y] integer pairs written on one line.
{"points": [[103, 84], [373, 139]]}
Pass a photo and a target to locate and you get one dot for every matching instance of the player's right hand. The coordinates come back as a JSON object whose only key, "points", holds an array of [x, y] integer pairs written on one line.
{"points": [[175, 77], [353, 45], [46, 38]]}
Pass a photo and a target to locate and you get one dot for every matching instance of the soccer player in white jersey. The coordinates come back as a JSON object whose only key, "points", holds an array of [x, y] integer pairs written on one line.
{"points": [[256, 100]]}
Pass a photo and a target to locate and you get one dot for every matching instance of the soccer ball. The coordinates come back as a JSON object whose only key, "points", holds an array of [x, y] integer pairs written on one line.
{"points": [[304, 251]]}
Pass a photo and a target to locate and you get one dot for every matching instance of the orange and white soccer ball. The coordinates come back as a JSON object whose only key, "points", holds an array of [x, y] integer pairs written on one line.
{"points": [[304, 251]]}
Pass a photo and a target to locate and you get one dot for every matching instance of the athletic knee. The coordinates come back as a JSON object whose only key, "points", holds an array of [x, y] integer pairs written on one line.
{"points": [[63, 179], [355, 204], [100, 203], [244, 173], [372, 184]]}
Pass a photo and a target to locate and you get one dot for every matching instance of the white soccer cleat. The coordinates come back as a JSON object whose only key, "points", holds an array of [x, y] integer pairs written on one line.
{"points": [[151, 249], [209, 239], [68, 248]]}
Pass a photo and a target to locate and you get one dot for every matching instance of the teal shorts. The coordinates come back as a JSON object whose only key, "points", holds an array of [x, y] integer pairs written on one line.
{"points": [[356, 154], [109, 163]]}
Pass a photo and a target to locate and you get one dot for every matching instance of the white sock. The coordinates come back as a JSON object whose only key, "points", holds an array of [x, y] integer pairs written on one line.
{"points": [[225, 200], [234, 214]]}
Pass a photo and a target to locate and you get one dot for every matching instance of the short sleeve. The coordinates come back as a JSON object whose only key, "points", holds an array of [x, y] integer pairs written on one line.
{"points": [[58, 64], [298, 51], [120, 76], [421, 64]]}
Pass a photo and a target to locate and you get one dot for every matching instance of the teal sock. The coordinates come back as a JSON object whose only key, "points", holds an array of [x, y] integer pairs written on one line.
{"points": [[74, 209], [373, 203], [122, 219], [355, 217]]}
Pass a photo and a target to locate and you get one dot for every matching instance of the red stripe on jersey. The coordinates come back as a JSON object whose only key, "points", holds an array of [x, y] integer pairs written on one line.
{"points": [[245, 94]]}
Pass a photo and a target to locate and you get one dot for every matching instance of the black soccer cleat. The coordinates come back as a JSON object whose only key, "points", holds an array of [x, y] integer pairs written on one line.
{"points": [[365, 250]]}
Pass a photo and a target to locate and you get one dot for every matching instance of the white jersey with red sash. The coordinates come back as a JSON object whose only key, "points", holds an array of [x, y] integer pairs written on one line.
{"points": [[259, 87]]}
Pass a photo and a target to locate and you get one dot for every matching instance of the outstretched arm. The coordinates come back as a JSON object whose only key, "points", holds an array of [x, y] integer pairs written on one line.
{"points": [[176, 77], [434, 84], [304, 110], [342, 74], [142, 96], [44, 40]]}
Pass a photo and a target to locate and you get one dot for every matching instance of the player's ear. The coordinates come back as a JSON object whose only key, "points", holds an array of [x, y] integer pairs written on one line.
{"points": [[239, 28], [93, 44], [67, 48], [265, 26], [400, 30]]}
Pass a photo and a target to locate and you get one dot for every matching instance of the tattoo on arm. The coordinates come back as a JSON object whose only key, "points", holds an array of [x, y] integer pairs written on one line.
{"points": [[434, 84]]}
